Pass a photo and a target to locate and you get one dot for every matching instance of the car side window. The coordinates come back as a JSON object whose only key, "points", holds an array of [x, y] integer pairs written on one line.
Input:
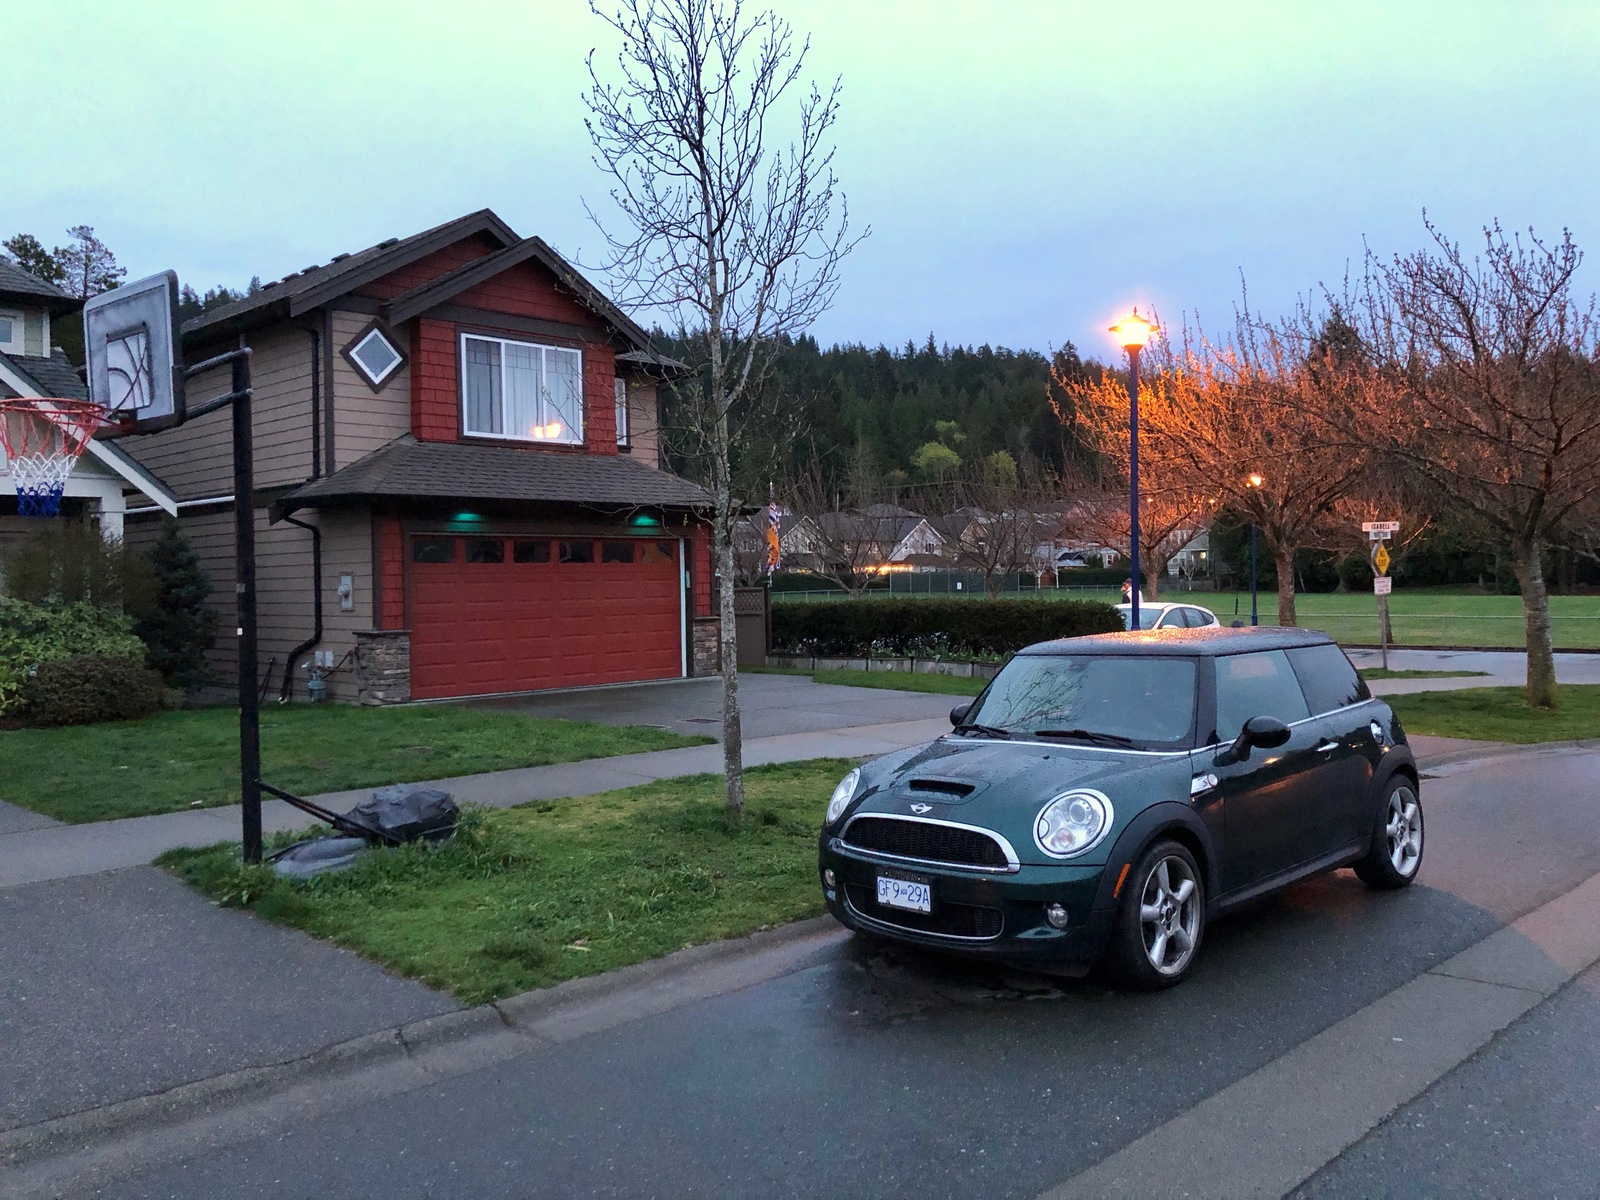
{"points": [[1262, 684], [1327, 678], [1171, 619], [1193, 618]]}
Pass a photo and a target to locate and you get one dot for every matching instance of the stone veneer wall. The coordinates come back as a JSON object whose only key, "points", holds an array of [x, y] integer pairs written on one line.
{"points": [[383, 666], [707, 659]]}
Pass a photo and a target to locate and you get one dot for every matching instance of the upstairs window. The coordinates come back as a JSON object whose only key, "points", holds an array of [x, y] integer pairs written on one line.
{"points": [[521, 391], [11, 332], [374, 356], [623, 436]]}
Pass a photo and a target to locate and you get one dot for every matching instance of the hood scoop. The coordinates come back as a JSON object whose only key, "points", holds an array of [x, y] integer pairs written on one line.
{"points": [[954, 789]]}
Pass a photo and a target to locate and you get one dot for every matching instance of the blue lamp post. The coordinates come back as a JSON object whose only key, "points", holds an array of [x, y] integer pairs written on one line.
{"points": [[1132, 332], [1254, 481]]}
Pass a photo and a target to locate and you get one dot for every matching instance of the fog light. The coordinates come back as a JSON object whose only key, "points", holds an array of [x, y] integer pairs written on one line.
{"points": [[1056, 914], [829, 878]]}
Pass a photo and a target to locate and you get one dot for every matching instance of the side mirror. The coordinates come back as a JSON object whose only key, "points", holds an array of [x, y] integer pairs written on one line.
{"points": [[958, 714], [1265, 732]]}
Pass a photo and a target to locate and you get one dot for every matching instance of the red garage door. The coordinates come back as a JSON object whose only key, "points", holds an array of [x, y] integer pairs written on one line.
{"points": [[510, 614]]}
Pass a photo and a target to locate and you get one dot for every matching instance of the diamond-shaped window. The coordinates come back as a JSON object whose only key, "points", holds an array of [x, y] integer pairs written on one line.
{"points": [[374, 356]]}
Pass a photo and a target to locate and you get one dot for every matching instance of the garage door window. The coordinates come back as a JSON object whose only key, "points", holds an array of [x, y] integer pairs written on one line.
{"points": [[616, 552], [433, 550], [659, 552], [530, 552], [485, 550], [577, 552]]}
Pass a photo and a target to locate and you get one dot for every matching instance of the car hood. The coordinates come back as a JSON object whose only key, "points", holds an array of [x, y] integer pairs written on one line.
{"points": [[1002, 785]]}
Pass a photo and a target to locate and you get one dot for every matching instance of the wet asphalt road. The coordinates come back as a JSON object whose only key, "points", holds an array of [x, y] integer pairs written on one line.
{"points": [[878, 1072]]}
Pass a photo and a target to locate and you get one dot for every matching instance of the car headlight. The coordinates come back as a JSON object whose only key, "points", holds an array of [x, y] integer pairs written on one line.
{"points": [[1073, 822], [842, 795]]}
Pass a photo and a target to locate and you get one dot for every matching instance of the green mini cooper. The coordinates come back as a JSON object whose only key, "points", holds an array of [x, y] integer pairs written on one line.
{"points": [[1106, 796]]}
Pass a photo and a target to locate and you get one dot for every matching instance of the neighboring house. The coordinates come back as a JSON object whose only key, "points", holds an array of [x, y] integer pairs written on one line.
{"points": [[31, 367], [459, 489]]}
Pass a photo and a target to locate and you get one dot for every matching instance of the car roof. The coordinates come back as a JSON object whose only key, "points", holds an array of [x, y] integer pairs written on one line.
{"points": [[1210, 642]]}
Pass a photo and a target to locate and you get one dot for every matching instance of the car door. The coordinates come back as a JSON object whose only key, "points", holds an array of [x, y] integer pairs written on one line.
{"points": [[1337, 698], [1273, 800]]}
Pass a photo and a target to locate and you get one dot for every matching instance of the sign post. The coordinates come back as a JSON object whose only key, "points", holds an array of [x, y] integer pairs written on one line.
{"points": [[1378, 533]]}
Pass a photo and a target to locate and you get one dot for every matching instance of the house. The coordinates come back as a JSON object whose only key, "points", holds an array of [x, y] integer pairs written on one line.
{"points": [[31, 367], [458, 483]]}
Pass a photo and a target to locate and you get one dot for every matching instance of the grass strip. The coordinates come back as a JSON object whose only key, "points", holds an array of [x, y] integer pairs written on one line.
{"points": [[526, 897], [190, 759], [1382, 673], [1501, 714]]}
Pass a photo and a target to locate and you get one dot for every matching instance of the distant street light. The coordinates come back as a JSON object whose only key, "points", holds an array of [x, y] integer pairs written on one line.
{"points": [[1132, 332], [1255, 481]]}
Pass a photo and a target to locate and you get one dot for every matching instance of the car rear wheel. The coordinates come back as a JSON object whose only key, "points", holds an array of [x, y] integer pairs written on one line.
{"points": [[1160, 919], [1396, 852]]}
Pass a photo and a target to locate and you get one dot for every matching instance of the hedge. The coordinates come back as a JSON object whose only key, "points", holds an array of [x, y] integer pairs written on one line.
{"points": [[933, 626], [88, 688], [31, 634]]}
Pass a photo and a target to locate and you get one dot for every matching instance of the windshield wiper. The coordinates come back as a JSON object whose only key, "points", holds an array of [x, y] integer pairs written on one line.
{"points": [[1087, 735], [984, 730]]}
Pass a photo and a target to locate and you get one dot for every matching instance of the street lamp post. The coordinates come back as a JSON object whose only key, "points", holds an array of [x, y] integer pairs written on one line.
{"points": [[1132, 332], [1254, 481]]}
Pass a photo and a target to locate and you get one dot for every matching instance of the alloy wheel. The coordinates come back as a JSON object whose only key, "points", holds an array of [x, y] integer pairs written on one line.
{"points": [[1169, 915], [1404, 831]]}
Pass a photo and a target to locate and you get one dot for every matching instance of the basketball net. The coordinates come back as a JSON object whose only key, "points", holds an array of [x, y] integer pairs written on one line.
{"points": [[43, 441]]}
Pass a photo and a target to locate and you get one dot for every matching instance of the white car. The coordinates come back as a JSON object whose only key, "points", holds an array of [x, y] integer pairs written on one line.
{"points": [[1155, 615]]}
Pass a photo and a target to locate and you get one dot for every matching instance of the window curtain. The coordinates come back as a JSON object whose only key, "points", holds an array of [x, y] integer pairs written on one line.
{"points": [[564, 391], [483, 387], [522, 390]]}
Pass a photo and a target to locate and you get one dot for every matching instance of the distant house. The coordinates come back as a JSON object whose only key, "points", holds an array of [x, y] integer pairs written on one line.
{"points": [[31, 367]]}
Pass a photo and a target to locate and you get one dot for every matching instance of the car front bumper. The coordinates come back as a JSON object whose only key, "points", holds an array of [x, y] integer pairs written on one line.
{"points": [[994, 915]]}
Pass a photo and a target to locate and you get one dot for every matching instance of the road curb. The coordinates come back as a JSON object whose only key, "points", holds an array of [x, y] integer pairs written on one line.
{"points": [[1493, 750]]}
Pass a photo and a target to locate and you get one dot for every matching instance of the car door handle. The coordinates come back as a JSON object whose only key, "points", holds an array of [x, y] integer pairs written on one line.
{"points": [[1328, 747]]}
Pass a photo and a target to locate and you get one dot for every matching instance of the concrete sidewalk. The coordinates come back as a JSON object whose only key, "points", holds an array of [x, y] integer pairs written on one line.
{"points": [[1501, 668]]}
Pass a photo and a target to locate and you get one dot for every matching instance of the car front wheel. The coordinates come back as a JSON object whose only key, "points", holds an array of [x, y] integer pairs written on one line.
{"points": [[1160, 919], [1396, 851]]}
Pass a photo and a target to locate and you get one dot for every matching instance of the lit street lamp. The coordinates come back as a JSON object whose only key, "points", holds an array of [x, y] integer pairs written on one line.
{"points": [[1132, 332], [1255, 481]]}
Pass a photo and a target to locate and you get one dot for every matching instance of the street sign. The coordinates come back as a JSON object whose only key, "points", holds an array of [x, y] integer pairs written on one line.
{"points": [[1382, 585], [1380, 559], [1380, 527], [1378, 535]]}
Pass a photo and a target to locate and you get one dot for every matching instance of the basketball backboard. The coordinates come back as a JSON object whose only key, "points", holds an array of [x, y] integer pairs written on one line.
{"points": [[135, 363]]}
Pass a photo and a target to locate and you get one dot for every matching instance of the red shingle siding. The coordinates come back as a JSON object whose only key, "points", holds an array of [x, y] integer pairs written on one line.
{"points": [[430, 266], [529, 290], [391, 571], [435, 391], [701, 571], [599, 399]]}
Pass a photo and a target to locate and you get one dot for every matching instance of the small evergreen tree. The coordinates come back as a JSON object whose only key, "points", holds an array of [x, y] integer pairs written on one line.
{"points": [[177, 626]]}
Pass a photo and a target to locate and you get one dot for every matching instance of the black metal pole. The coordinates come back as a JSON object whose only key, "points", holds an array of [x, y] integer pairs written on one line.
{"points": [[244, 532], [1254, 619], [1133, 483]]}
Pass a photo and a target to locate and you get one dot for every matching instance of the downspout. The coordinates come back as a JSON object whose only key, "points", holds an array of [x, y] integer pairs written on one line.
{"points": [[286, 691]]}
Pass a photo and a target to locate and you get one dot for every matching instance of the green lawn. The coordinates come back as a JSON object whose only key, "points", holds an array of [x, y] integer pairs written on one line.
{"points": [[1500, 714], [899, 681], [1382, 673], [190, 759], [526, 897]]}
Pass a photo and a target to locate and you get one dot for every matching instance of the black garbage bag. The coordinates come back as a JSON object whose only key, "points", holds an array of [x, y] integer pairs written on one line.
{"points": [[407, 812]]}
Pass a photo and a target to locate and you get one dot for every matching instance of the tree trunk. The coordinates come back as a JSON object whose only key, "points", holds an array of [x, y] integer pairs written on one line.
{"points": [[1285, 559], [993, 584], [1541, 690], [1152, 577]]}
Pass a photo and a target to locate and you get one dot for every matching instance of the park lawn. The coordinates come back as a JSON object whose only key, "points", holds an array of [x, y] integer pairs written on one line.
{"points": [[527, 897], [898, 681], [1384, 673], [190, 759], [1500, 714]]}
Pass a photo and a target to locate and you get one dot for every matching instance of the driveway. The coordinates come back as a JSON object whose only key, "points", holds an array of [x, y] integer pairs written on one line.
{"points": [[772, 705]]}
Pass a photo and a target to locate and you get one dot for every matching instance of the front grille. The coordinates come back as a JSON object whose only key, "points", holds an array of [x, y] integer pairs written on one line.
{"points": [[926, 841], [952, 920]]}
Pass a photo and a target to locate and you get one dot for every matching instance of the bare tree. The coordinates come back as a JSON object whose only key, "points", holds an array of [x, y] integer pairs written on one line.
{"points": [[729, 232], [838, 538], [998, 521], [1492, 365]]}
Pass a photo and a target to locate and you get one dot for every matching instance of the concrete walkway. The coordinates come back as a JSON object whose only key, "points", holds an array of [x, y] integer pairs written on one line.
{"points": [[1502, 668]]}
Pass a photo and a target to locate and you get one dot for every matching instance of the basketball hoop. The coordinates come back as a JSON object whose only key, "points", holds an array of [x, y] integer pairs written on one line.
{"points": [[43, 441]]}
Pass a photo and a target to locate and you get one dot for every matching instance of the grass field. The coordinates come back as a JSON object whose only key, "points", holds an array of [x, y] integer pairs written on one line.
{"points": [[1382, 673], [1500, 714], [1419, 617], [526, 897], [190, 759]]}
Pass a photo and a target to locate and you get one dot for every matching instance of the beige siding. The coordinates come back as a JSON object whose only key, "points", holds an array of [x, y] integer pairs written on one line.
{"points": [[644, 420], [364, 420], [195, 460], [284, 603]]}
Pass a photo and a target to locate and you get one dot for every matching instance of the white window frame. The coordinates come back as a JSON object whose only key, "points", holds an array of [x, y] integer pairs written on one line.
{"points": [[20, 325], [570, 437], [355, 355], [624, 423]]}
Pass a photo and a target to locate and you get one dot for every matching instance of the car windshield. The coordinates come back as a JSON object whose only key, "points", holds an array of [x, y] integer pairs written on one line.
{"points": [[1145, 700], [1149, 614]]}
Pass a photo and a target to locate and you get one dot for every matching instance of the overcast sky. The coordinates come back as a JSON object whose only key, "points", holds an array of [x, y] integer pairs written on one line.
{"points": [[1027, 168]]}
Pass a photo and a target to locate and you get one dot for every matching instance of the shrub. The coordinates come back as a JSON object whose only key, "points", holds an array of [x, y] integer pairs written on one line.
{"points": [[933, 626], [87, 688], [176, 624], [64, 561], [32, 634]]}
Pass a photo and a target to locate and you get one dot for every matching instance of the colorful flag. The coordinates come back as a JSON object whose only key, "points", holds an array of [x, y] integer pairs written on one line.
{"points": [[774, 543]]}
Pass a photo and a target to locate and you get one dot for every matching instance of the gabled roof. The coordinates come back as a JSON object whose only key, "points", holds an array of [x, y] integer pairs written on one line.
{"points": [[18, 284], [409, 469], [54, 377]]}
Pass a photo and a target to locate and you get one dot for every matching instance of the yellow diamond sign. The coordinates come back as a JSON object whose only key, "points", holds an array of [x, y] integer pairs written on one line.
{"points": [[1381, 559]]}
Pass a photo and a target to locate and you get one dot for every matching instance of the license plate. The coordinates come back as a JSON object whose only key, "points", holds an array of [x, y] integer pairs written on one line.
{"points": [[903, 893]]}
